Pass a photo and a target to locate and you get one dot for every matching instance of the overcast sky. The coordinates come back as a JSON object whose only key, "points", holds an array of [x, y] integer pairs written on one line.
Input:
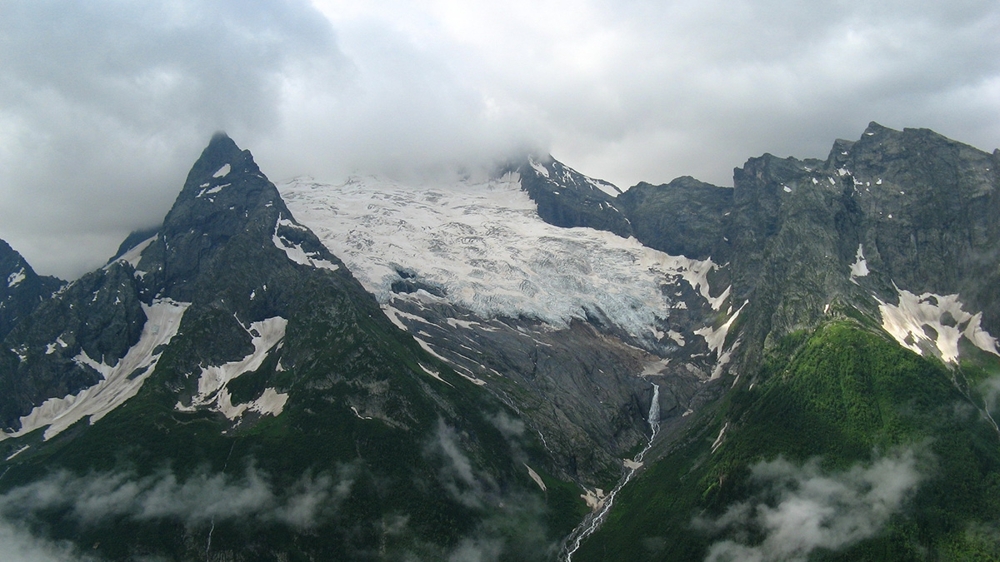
{"points": [[105, 104]]}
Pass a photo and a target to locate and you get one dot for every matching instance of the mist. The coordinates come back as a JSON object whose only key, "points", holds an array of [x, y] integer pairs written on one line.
{"points": [[798, 509]]}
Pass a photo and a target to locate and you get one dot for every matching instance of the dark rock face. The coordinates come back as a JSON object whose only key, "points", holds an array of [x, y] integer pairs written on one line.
{"points": [[579, 388], [929, 213], [340, 399], [21, 289], [221, 226], [567, 198], [919, 205], [218, 249], [98, 315], [685, 217]]}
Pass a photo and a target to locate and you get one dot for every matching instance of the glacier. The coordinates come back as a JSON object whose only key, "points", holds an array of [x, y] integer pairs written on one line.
{"points": [[480, 245]]}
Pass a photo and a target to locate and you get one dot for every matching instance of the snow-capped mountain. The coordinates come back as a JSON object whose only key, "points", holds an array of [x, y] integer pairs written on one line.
{"points": [[530, 365], [584, 324]]}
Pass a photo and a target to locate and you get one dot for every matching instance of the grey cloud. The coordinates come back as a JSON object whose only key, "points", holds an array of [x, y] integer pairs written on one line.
{"points": [[201, 498], [477, 550], [456, 473], [508, 426], [802, 508], [17, 544], [104, 105]]}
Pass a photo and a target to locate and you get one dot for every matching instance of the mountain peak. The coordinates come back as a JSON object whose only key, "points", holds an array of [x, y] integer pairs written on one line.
{"points": [[21, 289], [220, 158]]}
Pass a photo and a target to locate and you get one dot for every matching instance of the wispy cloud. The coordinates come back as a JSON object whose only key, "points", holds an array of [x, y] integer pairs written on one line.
{"points": [[456, 473], [18, 544], [195, 500], [798, 509]]}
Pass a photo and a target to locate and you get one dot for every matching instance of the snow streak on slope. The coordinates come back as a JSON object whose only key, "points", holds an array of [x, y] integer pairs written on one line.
{"points": [[294, 251], [860, 266], [121, 381], [212, 391], [483, 246], [936, 323]]}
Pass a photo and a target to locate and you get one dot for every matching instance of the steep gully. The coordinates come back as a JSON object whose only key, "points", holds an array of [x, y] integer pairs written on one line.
{"points": [[593, 521]]}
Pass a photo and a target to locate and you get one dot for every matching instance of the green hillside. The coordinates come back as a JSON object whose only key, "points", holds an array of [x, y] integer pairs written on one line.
{"points": [[847, 447]]}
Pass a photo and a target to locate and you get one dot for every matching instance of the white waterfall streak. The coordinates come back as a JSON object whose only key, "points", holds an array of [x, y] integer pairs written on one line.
{"points": [[593, 521]]}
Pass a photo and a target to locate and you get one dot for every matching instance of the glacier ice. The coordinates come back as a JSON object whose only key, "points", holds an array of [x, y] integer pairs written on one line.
{"points": [[482, 245]]}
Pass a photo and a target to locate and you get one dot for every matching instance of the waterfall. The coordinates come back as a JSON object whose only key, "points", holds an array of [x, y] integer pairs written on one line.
{"points": [[654, 411], [594, 520]]}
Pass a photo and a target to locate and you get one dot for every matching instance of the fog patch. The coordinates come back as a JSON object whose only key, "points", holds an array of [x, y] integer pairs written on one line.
{"points": [[508, 426], [514, 526], [456, 474], [799, 509], [199, 499], [477, 550], [17, 544]]}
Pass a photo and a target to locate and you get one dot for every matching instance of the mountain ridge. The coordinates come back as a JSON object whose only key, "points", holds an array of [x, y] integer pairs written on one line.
{"points": [[468, 370]]}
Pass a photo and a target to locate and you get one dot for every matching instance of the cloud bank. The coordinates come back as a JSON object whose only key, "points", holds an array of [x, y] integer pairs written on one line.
{"points": [[104, 105], [800, 509], [201, 499]]}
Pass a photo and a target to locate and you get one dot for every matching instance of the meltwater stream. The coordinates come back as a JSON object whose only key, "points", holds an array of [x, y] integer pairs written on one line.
{"points": [[594, 520]]}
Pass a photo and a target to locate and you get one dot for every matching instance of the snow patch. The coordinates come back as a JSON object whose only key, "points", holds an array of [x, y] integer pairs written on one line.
{"points": [[677, 337], [534, 476], [456, 323], [18, 452], [717, 302], [212, 391], [860, 266], [433, 373], [295, 251], [121, 381], [719, 439], [223, 171], [716, 337], [934, 323], [135, 253], [604, 186], [542, 170], [15, 278]]}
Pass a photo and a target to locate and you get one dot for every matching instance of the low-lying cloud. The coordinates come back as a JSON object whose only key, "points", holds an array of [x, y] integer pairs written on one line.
{"points": [[195, 500], [799, 509]]}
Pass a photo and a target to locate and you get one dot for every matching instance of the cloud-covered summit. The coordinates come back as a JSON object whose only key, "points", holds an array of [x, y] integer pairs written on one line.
{"points": [[104, 104]]}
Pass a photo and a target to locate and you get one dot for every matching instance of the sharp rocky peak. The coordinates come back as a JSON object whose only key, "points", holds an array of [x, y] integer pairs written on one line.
{"points": [[21, 289]]}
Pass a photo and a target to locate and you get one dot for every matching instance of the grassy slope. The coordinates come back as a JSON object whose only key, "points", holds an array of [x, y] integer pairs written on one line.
{"points": [[842, 393]]}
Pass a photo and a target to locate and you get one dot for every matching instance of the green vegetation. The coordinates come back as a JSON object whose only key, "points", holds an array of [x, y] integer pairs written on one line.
{"points": [[844, 395], [390, 486]]}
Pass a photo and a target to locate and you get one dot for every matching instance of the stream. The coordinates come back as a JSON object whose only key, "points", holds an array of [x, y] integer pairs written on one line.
{"points": [[593, 521]]}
